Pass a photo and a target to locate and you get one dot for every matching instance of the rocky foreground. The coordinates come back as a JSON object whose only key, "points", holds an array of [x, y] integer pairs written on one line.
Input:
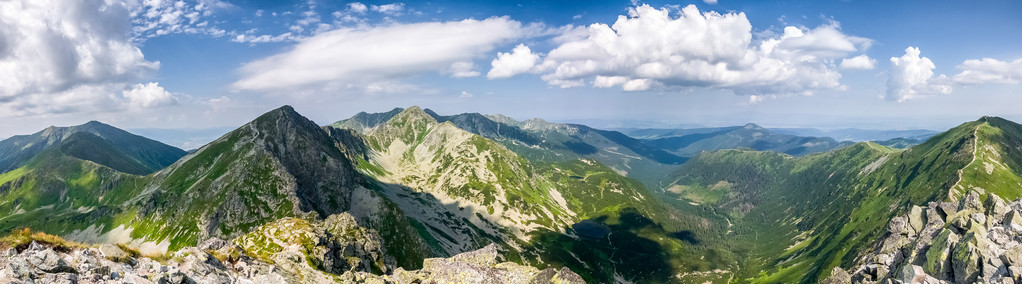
{"points": [[969, 242], [289, 250]]}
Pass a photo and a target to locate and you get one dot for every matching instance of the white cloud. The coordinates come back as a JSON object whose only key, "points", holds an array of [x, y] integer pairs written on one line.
{"points": [[357, 7], [148, 96], [858, 62], [465, 94], [519, 60], [609, 81], [911, 76], [392, 9], [711, 2], [463, 69], [663, 48], [367, 54], [988, 70], [152, 18], [67, 56], [252, 38]]}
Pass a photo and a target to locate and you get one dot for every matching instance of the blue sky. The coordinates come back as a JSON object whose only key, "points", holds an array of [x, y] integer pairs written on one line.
{"points": [[212, 63]]}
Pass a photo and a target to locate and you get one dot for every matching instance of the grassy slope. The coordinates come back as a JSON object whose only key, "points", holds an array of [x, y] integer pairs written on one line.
{"points": [[800, 216], [643, 228]]}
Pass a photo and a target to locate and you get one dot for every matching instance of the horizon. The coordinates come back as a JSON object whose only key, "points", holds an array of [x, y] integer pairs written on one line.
{"points": [[194, 138], [210, 64]]}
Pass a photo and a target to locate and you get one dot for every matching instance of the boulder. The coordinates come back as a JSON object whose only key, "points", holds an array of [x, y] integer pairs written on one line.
{"points": [[913, 274], [938, 261], [961, 220], [995, 206], [965, 259], [113, 252], [1013, 221], [48, 261], [838, 276], [917, 218], [213, 244], [947, 209], [971, 202]]}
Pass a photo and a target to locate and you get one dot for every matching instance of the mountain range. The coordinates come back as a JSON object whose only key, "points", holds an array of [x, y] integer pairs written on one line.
{"points": [[396, 191]]}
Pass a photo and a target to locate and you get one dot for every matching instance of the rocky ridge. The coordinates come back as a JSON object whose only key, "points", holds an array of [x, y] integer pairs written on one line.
{"points": [[289, 250], [976, 240]]}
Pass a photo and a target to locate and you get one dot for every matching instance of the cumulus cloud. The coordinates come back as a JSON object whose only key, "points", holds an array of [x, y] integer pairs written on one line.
{"points": [[148, 96], [67, 56], [519, 60], [348, 56], [858, 62], [654, 48], [988, 70], [711, 2], [911, 76]]}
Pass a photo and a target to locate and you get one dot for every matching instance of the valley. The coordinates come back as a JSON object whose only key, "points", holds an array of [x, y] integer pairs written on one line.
{"points": [[397, 189]]}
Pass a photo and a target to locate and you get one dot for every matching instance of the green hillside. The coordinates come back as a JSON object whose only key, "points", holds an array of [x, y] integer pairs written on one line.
{"points": [[799, 217]]}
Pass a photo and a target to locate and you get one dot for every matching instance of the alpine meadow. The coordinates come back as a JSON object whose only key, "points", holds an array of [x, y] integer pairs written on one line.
{"points": [[693, 141]]}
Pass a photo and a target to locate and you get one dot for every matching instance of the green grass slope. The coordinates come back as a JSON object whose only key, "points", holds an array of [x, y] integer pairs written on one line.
{"points": [[795, 218]]}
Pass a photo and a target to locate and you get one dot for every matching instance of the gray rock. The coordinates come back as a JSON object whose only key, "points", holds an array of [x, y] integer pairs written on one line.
{"points": [[996, 208], [838, 276], [899, 226], [48, 261], [1013, 256], [947, 209], [916, 218], [971, 202], [213, 244], [112, 252], [913, 274], [1013, 221], [965, 259]]}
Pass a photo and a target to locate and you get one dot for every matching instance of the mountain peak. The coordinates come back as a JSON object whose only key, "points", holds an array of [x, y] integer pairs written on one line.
{"points": [[285, 112], [412, 114], [752, 126]]}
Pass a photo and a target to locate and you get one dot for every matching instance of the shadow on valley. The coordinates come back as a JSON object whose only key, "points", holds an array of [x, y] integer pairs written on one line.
{"points": [[612, 248]]}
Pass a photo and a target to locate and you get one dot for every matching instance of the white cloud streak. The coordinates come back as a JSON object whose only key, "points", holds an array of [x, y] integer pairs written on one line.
{"points": [[989, 70], [347, 56], [862, 62]]}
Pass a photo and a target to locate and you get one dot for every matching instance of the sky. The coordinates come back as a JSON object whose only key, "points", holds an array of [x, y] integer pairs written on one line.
{"points": [[216, 64]]}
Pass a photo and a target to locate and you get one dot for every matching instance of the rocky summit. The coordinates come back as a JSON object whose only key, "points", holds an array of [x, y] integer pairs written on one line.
{"points": [[286, 251], [974, 240]]}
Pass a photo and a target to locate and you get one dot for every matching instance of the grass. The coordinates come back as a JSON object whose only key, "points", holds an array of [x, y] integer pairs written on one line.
{"points": [[22, 238]]}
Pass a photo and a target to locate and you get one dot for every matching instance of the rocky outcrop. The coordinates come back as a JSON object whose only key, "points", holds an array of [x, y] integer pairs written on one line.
{"points": [[217, 261], [313, 250], [976, 240], [480, 266], [44, 264]]}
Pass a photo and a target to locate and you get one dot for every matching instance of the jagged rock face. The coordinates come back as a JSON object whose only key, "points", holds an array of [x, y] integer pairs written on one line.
{"points": [[974, 242], [280, 164]]}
